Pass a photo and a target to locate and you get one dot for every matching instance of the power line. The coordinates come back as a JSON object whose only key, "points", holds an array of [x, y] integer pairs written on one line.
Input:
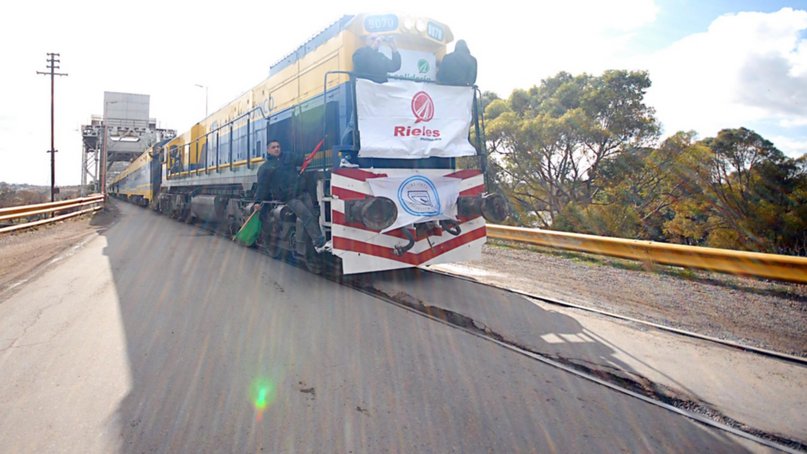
{"points": [[53, 65]]}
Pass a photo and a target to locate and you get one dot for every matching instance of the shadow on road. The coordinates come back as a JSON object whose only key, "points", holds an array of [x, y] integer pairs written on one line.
{"points": [[516, 320], [231, 351]]}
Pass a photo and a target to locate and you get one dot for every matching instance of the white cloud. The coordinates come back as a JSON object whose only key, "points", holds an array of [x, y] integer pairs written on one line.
{"points": [[747, 67], [517, 49], [789, 146], [794, 122]]}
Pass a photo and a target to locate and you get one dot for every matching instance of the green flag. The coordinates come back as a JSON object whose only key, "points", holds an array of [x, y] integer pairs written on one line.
{"points": [[250, 230]]}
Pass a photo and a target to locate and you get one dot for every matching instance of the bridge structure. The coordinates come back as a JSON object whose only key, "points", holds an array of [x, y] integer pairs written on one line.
{"points": [[114, 139]]}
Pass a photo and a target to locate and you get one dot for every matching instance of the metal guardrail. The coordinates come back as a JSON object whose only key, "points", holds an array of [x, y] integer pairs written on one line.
{"points": [[25, 211], [769, 266]]}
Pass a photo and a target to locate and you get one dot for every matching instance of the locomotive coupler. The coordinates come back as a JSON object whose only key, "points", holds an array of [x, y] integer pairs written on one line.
{"points": [[451, 226], [401, 250]]}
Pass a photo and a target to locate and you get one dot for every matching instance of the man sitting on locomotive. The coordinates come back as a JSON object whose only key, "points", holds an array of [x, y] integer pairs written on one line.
{"points": [[279, 180], [458, 67], [370, 63]]}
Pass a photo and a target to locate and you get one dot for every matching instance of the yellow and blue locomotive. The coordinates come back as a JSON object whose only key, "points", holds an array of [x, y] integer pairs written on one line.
{"points": [[382, 158]]}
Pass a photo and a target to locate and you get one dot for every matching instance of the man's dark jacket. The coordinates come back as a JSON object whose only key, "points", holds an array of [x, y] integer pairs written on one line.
{"points": [[458, 67], [372, 64], [278, 178]]}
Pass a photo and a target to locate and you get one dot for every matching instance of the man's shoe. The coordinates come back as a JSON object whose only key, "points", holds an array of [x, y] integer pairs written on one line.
{"points": [[319, 244]]}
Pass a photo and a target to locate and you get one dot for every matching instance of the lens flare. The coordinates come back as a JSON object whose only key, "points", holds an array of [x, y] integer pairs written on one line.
{"points": [[262, 394]]}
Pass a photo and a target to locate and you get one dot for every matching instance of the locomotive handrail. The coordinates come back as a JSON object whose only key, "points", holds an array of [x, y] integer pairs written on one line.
{"points": [[43, 208], [354, 132], [215, 131], [479, 126], [769, 266]]}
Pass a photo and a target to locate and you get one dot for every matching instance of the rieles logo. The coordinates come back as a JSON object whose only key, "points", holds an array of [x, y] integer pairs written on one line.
{"points": [[423, 109]]}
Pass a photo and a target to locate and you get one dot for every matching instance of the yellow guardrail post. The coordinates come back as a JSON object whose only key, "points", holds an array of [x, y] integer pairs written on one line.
{"points": [[769, 266]]}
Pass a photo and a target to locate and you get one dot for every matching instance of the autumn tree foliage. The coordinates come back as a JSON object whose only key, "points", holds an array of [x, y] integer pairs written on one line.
{"points": [[751, 196], [11, 195]]}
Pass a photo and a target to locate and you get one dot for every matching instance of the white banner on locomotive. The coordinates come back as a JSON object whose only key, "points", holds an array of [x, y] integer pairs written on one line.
{"points": [[405, 120]]}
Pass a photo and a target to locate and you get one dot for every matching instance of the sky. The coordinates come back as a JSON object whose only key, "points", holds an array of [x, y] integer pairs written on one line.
{"points": [[713, 64]]}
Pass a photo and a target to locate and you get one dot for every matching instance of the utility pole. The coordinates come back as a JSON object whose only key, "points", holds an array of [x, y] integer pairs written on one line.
{"points": [[102, 174], [53, 65]]}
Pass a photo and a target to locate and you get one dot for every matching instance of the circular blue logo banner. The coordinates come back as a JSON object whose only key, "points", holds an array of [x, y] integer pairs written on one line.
{"points": [[418, 196]]}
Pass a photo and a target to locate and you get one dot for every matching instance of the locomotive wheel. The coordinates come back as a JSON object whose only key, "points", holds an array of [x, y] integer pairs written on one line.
{"points": [[273, 248], [271, 244], [334, 267], [232, 226], [314, 265]]}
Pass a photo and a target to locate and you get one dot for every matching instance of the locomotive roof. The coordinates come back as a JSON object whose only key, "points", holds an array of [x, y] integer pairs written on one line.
{"points": [[311, 44]]}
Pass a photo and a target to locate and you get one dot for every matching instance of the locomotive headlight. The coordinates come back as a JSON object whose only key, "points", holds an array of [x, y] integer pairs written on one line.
{"points": [[409, 23], [493, 207], [377, 213]]}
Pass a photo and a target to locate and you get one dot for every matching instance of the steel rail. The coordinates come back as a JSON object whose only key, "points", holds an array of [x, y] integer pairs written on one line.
{"points": [[682, 332], [769, 266]]}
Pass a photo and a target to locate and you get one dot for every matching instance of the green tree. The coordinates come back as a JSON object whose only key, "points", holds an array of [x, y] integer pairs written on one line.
{"points": [[487, 98], [549, 142]]}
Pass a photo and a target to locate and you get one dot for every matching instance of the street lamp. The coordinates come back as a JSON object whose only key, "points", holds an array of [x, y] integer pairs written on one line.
{"points": [[205, 87]]}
